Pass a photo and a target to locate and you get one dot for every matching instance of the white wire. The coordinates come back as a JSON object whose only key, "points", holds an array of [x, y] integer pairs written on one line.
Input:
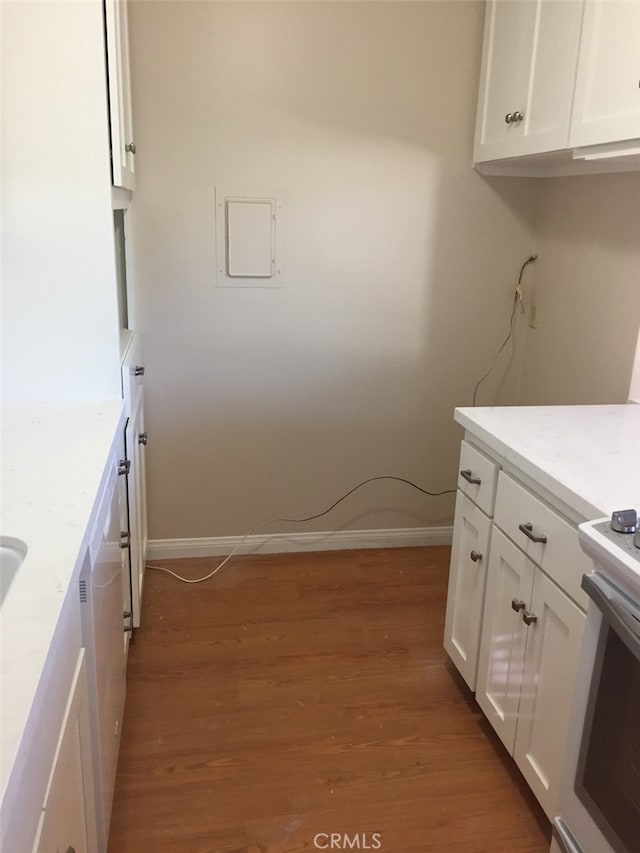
{"points": [[517, 298], [297, 521]]}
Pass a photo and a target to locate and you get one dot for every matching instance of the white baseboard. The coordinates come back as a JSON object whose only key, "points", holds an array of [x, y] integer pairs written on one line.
{"points": [[281, 543]]}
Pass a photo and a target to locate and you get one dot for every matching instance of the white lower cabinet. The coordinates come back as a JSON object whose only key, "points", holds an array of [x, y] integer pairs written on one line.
{"points": [[135, 442], [528, 660], [548, 681], [105, 633], [514, 620], [504, 634], [135, 452], [467, 578], [68, 819]]}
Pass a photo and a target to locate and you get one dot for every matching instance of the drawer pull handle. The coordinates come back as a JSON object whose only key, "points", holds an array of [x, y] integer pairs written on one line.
{"points": [[475, 556], [529, 618], [527, 529], [469, 477], [518, 605]]}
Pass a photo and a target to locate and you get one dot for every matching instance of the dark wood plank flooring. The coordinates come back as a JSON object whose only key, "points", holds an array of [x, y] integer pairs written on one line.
{"points": [[301, 694]]}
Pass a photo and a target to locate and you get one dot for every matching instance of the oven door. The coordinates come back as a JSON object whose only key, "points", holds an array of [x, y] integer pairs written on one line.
{"points": [[600, 804]]}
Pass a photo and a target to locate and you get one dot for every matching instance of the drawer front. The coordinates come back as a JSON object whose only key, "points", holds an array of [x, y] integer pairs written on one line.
{"points": [[543, 535], [477, 477]]}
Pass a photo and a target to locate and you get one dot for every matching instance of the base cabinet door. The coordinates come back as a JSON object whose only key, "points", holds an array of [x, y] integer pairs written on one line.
{"points": [[467, 578], [554, 635], [502, 643], [136, 440], [105, 635], [68, 820]]}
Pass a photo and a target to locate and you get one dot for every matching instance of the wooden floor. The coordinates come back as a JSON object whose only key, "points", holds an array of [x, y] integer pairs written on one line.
{"points": [[300, 694]]}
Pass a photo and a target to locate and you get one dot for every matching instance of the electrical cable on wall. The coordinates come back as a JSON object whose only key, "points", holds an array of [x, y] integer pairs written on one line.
{"points": [[298, 521], [517, 297]]}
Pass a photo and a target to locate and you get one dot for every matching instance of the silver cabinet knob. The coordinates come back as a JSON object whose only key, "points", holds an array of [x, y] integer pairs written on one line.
{"points": [[475, 556], [124, 466], [125, 539], [517, 604], [517, 116], [529, 618], [142, 438], [508, 118], [130, 147], [138, 370]]}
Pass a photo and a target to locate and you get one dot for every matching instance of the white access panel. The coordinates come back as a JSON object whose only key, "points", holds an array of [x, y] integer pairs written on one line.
{"points": [[250, 238], [249, 232]]}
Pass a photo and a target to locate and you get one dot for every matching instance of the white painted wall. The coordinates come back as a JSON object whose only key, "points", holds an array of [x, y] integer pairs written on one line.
{"points": [[400, 260], [59, 307], [586, 285]]}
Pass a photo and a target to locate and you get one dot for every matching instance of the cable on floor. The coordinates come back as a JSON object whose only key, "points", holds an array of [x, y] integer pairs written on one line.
{"points": [[298, 521], [517, 297]]}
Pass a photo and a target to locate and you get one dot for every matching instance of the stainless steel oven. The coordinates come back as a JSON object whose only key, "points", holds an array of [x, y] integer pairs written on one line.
{"points": [[599, 806]]}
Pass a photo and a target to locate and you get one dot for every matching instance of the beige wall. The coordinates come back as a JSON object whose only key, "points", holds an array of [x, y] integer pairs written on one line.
{"points": [[400, 260], [587, 288]]}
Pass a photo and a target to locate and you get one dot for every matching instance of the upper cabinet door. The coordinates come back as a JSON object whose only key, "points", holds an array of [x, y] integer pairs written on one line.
{"points": [[527, 77], [607, 101], [123, 147]]}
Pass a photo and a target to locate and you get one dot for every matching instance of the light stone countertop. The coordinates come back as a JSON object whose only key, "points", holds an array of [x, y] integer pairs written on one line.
{"points": [[54, 459], [586, 456]]}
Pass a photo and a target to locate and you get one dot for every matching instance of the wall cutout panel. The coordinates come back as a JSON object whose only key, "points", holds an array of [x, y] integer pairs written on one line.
{"points": [[248, 240]]}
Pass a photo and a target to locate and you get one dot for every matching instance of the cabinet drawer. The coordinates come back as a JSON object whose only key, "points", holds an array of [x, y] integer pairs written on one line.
{"points": [[477, 477], [543, 535]]}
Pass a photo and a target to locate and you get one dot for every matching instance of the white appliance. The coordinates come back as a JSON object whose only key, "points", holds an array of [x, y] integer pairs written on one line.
{"points": [[599, 802]]}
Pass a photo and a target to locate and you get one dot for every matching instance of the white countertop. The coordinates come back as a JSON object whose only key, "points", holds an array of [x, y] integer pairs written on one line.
{"points": [[587, 456], [53, 464]]}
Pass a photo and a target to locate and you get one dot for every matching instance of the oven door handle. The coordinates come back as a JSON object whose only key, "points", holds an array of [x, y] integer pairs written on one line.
{"points": [[564, 837], [615, 609]]}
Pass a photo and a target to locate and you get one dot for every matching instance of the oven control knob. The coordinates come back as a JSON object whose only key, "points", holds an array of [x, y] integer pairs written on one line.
{"points": [[624, 521]]}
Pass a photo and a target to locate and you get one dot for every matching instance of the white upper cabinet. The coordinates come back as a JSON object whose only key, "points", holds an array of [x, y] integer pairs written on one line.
{"points": [[123, 148], [607, 100], [527, 77]]}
